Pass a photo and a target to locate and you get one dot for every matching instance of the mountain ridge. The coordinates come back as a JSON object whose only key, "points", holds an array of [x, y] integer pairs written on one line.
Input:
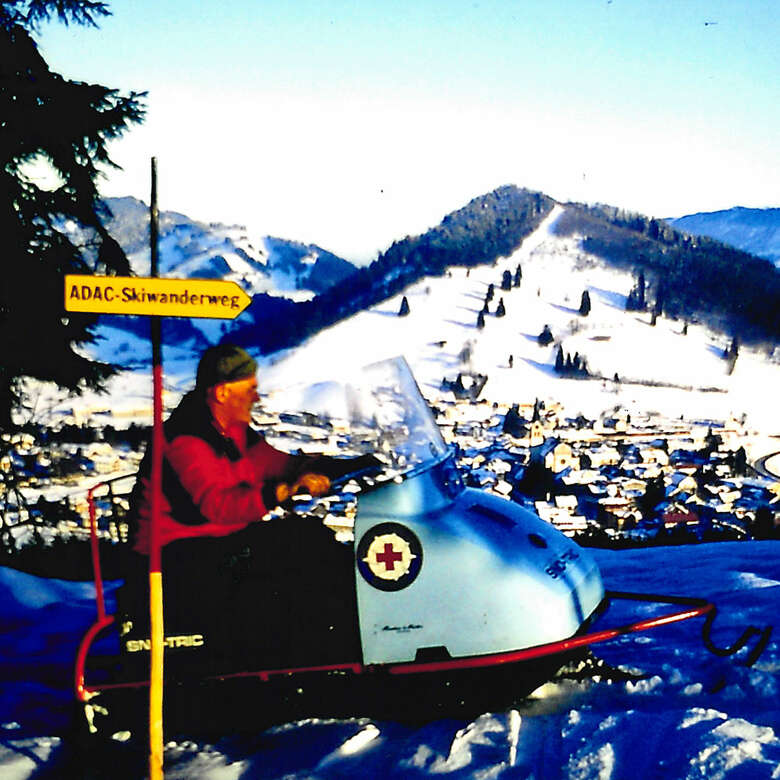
{"points": [[688, 277], [190, 248], [753, 230]]}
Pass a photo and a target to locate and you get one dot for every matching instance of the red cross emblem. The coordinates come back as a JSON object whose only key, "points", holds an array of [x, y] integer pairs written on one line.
{"points": [[389, 557]]}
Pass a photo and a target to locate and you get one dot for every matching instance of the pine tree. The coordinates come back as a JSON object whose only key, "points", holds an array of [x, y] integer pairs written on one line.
{"points": [[514, 424], [481, 320], [740, 464], [506, 281], [64, 125], [660, 299], [500, 309], [636, 298], [518, 276], [404, 310], [559, 360], [585, 304], [491, 291], [731, 354], [545, 337]]}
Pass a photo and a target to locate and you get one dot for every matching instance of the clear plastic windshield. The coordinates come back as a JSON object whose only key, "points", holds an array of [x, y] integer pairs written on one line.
{"points": [[377, 410]]}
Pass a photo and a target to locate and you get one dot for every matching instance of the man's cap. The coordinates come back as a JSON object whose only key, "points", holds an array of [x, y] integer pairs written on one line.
{"points": [[224, 363]]}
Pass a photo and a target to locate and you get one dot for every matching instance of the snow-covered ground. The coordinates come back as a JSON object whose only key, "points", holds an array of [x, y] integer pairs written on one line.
{"points": [[692, 715]]}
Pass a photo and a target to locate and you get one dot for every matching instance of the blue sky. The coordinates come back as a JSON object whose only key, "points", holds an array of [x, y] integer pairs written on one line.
{"points": [[351, 124]]}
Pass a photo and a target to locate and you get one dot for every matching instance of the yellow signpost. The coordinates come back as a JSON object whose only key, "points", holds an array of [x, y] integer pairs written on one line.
{"points": [[155, 297], [208, 298]]}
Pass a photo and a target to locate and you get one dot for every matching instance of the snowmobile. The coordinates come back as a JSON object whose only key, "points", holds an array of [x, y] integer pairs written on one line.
{"points": [[443, 600]]}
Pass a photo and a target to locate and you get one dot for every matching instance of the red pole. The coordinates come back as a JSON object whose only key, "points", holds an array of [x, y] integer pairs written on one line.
{"points": [[95, 550], [157, 633]]}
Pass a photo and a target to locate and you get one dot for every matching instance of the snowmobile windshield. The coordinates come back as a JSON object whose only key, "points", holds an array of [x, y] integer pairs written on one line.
{"points": [[378, 409]]}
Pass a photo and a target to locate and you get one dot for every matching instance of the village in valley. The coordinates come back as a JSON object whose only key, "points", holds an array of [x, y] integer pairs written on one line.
{"points": [[618, 480]]}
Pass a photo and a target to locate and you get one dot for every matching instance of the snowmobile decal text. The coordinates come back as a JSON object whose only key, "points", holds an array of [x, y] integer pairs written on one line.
{"points": [[403, 629], [192, 640], [558, 566]]}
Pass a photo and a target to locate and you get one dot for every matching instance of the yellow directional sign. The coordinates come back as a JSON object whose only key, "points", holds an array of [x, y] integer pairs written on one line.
{"points": [[212, 298]]}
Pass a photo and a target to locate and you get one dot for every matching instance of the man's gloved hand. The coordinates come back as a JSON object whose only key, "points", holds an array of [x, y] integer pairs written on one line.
{"points": [[313, 484]]}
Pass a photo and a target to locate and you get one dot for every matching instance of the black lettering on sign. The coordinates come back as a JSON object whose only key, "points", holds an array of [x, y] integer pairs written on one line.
{"points": [[74, 292]]}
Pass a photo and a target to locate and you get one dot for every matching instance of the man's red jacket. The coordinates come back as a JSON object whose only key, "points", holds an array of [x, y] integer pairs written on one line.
{"points": [[214, 484]]}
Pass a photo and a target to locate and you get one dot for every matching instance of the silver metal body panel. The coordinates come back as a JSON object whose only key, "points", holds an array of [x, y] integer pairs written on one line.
{"points": [[482, 574]]}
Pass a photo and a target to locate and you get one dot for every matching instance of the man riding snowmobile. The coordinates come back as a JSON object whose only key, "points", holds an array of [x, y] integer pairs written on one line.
{"points": [[240, 585]]}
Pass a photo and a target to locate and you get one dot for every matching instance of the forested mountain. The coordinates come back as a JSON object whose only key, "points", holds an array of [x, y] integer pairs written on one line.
{"points": [[753, 230], [689, 276], [487, 228], [300, 289]]}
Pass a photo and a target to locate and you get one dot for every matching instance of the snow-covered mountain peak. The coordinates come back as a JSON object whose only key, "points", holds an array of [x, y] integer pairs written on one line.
{"points": [[192, 249]]}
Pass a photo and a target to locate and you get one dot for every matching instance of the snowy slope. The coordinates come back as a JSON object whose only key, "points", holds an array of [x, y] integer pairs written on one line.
{"points": [[555, 272], [194, 250]]}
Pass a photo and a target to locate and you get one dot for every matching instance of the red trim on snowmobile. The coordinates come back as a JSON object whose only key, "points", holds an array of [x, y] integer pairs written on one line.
{"points": [[95, 550], [699, 607], [83, 693], [103, 620], [356, 668]]}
